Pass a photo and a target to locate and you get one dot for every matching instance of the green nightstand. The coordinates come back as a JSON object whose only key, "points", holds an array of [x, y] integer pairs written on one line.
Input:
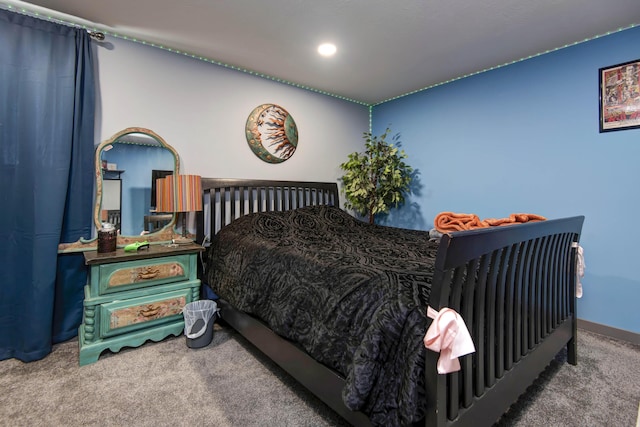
{"points": [[133, 297]]}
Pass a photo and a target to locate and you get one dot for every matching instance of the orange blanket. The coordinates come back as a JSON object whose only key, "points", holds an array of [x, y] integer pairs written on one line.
{"points": [[450, 221]]}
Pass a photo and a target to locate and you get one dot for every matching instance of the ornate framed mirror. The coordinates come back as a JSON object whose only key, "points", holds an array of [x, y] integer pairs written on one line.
{"points": [[134, 157], [126, 167]]}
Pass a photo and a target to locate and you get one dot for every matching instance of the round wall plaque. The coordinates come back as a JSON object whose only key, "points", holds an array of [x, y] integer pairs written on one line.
{"points": [[271, 133]]}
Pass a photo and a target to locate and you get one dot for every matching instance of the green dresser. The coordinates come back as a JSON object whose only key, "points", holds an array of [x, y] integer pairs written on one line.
{"points": [[133, 297]]}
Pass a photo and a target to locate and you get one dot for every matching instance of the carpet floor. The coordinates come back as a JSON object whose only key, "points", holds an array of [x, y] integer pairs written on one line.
{"points": [[229, 383]]}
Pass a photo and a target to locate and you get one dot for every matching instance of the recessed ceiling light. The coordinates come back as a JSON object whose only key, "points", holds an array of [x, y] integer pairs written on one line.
{"points": [[327, 49]]}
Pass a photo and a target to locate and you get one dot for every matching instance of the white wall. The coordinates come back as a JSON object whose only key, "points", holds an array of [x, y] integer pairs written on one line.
{"points": [[201, 110]]}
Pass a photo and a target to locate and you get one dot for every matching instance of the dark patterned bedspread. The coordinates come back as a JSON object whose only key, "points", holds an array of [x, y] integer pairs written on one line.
{"points": [[353, 295]]}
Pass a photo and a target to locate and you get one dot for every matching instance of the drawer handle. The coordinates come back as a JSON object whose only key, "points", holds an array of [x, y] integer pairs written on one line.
{"points": [[148, 273], [150, 311]]}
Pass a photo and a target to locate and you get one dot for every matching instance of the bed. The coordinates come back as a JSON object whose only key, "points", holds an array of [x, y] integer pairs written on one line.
{"points": [[306, 299]]}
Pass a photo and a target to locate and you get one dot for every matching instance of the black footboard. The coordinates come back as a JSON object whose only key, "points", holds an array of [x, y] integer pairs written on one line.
{"points": [[515, 288]]}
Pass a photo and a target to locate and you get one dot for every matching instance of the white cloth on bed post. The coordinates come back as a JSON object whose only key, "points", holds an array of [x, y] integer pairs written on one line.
{"points": [[580, 271], [448, 335], [580, 266]]}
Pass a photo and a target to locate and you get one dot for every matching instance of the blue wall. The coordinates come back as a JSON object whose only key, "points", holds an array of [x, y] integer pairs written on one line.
{"points": [[525, 138]]}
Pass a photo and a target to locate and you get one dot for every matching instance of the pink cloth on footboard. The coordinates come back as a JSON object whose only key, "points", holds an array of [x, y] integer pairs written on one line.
{"points": [[448, 335]]}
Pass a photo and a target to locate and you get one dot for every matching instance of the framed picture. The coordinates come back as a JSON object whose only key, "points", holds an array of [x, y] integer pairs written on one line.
{"points": [[620, 96]]}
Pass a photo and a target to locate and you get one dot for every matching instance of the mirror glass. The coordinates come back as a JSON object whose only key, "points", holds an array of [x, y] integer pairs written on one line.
{"points": [[127, 166]]}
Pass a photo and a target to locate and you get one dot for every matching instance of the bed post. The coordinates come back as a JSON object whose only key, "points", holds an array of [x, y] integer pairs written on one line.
{"points": [[572, 345], [436, 392], [435, 383]]}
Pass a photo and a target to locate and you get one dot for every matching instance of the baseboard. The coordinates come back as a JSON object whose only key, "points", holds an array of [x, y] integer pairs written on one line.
{"points": [[609, 331]]}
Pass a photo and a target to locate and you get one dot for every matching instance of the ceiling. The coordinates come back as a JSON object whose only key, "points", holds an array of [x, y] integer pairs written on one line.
{"points": [[386, 48]]}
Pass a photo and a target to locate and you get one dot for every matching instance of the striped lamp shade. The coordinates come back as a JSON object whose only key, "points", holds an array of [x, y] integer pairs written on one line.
{"points": [[188, 196], [179, 193]]}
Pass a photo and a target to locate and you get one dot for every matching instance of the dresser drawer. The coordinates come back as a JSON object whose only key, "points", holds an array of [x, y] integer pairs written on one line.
{"points": [[128, 275], [128, 315]]}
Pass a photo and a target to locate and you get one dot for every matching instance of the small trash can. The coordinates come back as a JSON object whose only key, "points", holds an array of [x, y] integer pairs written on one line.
{"points": [[199, 317]]}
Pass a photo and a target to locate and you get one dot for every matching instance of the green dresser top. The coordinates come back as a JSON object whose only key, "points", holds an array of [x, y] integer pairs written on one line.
{"points": [[154, 251]]}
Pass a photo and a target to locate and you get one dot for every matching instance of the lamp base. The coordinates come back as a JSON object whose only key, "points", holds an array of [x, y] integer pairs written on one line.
{"points": [[183, 240]]}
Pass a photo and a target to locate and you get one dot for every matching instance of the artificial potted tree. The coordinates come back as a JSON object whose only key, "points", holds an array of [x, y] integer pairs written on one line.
{"points": [[376, 179]]}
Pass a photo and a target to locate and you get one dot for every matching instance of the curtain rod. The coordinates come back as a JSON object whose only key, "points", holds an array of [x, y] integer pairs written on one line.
{"points": [[96, 35]]}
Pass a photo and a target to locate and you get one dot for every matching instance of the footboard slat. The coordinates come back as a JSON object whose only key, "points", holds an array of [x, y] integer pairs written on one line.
{"points": [[500, 315], [569, 290], [466, 310], [541, 285], [490, 308], [518, 302], [545, 307], [544, 280], [563, 306], [562, 289], [555, 283], [459, 276], [510, 307], [479, 324], [526, 295], [533, 280]]}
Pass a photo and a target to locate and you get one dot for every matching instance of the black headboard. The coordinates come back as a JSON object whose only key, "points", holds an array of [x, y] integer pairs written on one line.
{"points": [[226, 199]]}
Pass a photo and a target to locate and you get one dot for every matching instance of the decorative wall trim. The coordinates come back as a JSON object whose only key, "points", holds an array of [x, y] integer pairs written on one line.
{"points": [[609, 331]]}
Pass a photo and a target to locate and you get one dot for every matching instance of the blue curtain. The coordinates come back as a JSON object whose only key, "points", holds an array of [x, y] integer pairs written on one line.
{"points": [[47, 111]]}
